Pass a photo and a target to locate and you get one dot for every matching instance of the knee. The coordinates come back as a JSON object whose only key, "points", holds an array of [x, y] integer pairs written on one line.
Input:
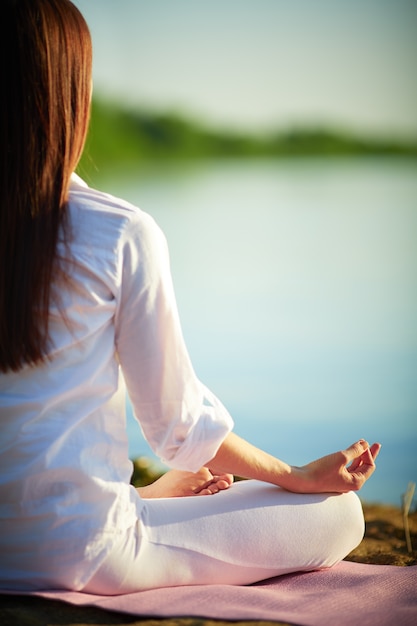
{"points": [[353, 516], [348, 526]]}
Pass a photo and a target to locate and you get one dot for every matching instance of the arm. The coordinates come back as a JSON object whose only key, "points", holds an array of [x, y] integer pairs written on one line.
{"points": [[170, 401], [346, 470], [181, 420]]}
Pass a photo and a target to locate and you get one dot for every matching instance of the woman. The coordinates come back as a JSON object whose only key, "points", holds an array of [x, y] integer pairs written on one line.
{"points": [[86, 301]]}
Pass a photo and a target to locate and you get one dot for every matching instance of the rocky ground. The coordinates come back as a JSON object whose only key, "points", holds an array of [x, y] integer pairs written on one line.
{"points": [[384, 544]]}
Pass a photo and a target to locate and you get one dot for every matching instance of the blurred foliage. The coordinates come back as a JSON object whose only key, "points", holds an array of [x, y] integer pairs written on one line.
{"points": [[145, 472], [121, 136]]}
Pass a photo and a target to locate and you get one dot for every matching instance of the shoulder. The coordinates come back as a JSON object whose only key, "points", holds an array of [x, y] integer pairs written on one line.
{"points": [[102, 204], [100, 214]]}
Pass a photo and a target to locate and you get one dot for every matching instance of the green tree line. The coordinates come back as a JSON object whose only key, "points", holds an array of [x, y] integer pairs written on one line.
{"points": [[119, 135]]}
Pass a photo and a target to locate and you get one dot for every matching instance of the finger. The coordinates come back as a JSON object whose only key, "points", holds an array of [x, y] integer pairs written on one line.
{"points": [[229, 478], [365, 470], [214, 485], [355, 450], [211, 490], [204, 487], [223, 484], [355, 464], [373, 452], [375, 449], [365, 458], [223, 479], [203, 492]]}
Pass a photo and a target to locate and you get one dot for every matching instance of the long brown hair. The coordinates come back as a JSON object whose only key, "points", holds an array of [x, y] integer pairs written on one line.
{"points": [[45, 73]]}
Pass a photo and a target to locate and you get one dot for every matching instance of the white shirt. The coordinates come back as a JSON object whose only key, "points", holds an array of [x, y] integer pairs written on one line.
{"points": [[64, 469]]}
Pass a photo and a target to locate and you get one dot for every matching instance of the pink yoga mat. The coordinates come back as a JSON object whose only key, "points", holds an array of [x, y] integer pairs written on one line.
{"points": [[350, 593]]}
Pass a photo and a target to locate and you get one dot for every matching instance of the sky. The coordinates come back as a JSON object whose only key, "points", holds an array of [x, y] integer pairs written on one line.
{"points": [[262, 64]]}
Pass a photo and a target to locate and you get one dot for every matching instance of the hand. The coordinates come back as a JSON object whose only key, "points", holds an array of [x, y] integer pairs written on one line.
{"points": [[177, 483], [346, 470]]}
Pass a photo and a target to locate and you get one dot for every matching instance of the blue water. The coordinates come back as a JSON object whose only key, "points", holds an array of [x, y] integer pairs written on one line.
{"points": [[297, 288]]}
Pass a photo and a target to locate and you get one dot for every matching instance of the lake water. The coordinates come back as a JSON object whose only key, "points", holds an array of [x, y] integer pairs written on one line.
{"points": [[296, 283]]}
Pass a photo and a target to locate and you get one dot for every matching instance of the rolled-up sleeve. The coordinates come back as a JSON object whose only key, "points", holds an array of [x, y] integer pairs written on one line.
{"points": [[183, 422]]}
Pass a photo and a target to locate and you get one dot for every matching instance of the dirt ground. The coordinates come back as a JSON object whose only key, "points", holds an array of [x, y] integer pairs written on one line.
{"points": [[384, 544]]}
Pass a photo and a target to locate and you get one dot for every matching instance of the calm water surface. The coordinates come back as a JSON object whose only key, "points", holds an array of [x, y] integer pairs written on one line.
{"points": [[297, 288]]}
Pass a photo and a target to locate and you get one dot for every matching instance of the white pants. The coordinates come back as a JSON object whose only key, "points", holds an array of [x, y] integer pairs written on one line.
{"points": [[244, 534]]}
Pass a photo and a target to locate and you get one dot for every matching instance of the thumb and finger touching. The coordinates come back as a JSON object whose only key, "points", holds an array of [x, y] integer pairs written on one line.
{"points": [[363, 465]]}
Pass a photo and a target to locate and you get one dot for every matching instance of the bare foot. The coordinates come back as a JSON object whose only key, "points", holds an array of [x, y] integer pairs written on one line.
{"points": [[177, 483]]}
